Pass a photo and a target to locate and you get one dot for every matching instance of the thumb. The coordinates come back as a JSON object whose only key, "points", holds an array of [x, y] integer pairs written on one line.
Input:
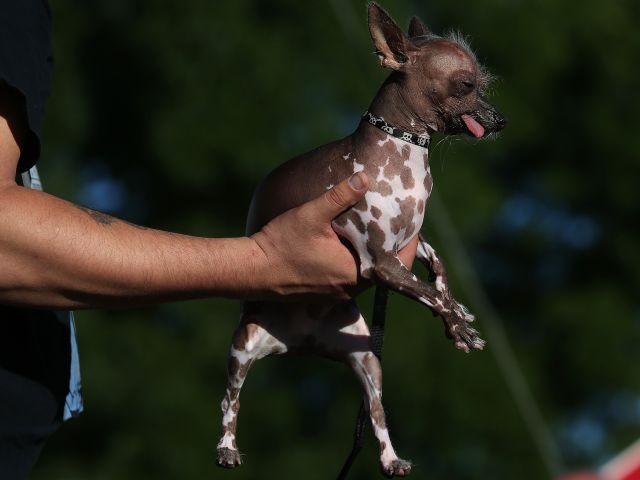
{"points": [[339, 198]]}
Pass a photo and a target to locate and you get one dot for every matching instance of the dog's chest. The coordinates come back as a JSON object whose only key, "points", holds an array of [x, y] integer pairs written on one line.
{"points": [[393, 208]]}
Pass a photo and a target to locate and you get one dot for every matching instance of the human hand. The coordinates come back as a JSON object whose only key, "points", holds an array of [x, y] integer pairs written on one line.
{"points": [[304, 255]]}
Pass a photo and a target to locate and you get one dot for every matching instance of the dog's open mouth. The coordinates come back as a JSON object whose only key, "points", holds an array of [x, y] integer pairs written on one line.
{"points": [[473, 126]]}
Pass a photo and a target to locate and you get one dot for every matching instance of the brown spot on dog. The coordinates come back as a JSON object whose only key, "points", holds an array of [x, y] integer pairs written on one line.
{"points": [[395, 160], [357, 221], [372, 367], [235, 406], [390, 160], [244, 368], [354, 217], [389, 147], [376, 212], [393, 168], [372, 165], [428, 183], [420, 206], [391, 150], [402, 220], [376, 237], [231, 426], [383, 188], [341, 220], [383, 446], [233, 365], [233, 394], [240, 338], [377, 413], [406, 177], [362, 205], [244, 332]]}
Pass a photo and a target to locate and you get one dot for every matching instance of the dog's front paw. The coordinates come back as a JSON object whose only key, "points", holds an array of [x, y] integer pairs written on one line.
{"points": [[457, 328], [228, 458], [397, 468]]}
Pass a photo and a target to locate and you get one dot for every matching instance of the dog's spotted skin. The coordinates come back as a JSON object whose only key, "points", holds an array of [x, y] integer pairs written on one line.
{"points": [[392, 211], [388, 217], [439, 88], [338, 332]]}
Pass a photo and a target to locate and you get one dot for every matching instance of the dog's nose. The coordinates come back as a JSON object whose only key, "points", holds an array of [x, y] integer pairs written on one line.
{"points": [[497, 119]]}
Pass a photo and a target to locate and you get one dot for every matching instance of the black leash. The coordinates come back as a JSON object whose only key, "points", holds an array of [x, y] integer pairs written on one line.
{"points": [[377, 341]]}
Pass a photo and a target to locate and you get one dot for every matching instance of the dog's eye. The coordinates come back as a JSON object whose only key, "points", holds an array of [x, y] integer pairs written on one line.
{"points": [[461, 88]]}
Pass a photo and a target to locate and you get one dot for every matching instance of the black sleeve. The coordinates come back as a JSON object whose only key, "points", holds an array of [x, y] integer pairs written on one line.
{"points": [[26, 60]]}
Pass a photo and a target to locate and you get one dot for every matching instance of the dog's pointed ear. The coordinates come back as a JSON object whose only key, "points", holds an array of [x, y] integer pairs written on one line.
{"points": [[389, 40], [417, 28]]}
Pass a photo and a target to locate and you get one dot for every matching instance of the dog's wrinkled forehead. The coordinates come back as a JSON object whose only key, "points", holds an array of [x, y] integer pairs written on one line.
{"points": [[446, 54], [450, 57]]}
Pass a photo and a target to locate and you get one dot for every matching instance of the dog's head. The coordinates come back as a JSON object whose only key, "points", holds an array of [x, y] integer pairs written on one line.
{"points": [[440, 82]]}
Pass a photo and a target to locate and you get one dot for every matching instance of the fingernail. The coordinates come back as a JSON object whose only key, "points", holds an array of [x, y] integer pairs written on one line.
{"points": [[356, 182]]}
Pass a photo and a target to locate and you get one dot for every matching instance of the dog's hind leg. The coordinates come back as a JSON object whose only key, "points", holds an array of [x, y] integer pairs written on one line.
{"points": [[251, 342], [367, 368], [345, 336]]}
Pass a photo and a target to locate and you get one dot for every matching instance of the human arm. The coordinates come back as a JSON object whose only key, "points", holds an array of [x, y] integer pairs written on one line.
{"points": [[54, 254], [57, 255]]}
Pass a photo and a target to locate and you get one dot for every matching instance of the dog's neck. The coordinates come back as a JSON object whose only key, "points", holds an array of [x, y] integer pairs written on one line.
{"points": [[390, 116], [394, 103]]}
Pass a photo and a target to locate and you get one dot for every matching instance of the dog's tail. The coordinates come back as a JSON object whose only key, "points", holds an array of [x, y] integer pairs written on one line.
{"points": [[377, 342]]}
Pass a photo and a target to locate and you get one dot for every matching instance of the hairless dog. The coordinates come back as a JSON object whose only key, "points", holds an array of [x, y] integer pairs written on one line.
{"points": [[436, 85]]}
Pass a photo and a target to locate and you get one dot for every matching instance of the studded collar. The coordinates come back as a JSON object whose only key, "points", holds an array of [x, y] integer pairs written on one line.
{"points": [[422, 140]]}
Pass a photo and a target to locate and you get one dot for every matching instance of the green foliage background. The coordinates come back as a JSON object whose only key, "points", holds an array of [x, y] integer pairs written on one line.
{"points": [[168, 113]]}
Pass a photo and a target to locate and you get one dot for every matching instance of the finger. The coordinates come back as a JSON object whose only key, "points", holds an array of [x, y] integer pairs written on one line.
{"points": [[408, 253], [339, 198]]}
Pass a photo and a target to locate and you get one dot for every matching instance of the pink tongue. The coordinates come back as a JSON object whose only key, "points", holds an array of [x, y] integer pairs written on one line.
{"points": [[474, 127]]}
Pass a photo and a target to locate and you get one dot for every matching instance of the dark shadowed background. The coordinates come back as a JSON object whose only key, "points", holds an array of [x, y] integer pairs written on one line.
{"points": [[168, 113]]}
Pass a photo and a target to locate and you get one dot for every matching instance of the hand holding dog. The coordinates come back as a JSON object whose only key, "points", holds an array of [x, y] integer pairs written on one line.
{"points": [[304, 256]]}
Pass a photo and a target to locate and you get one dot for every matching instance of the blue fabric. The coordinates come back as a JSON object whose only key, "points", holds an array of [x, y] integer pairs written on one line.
{"points": [[73, 404]]}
